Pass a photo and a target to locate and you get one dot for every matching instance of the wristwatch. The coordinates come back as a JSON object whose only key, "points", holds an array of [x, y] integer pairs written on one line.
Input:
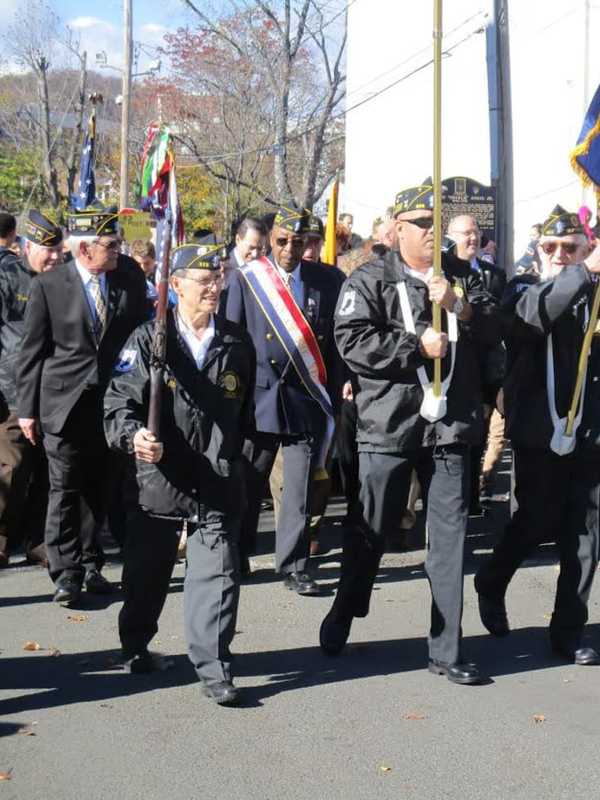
{"points": [[458, 306]]}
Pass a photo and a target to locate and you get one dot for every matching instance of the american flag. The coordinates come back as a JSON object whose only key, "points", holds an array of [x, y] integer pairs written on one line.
{"points": [[86, 193]]}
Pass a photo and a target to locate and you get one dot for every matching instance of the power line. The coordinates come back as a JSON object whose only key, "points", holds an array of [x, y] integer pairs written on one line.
{"points": [[294, 137]]}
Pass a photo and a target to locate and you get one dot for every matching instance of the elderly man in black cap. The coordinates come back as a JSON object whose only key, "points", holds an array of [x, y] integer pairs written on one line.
{"points": [[78, 317], [287, 304], [23, 469], [385, 334], [557, 472], [193, 474]]}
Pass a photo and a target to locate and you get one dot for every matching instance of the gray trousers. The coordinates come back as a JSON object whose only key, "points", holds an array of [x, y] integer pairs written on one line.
{"points": [[211, 588], [384, 486], [292, 534]]}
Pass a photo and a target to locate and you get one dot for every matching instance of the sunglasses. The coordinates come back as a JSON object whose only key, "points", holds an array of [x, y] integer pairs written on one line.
{"points": [[570, 248], [283, 242], [425, 223]]}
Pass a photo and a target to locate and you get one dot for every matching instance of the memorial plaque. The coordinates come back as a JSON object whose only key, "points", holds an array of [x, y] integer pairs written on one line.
{"points": [[466, 196]]}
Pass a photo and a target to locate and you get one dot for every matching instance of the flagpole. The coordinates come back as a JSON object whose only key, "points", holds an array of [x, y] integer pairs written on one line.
{"points": [[437, 178]]}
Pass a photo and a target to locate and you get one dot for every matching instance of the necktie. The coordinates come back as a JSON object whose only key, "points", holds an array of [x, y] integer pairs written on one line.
{"points": [[99, 304], [291, 284]]}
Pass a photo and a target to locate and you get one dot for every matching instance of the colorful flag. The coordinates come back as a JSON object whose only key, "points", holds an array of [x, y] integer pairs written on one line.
{"points": [[585, 157], [86, 192], [330, 251], [159, 184]]}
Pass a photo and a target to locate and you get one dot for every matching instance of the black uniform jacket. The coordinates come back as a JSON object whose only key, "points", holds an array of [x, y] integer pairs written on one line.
{"points": [[282, 404], [7, 257], [60, 357], [371, 337], [533, 309], [15, 283], [205, 416]]}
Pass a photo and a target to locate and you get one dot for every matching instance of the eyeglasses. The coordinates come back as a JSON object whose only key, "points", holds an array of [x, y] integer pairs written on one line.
{"points": [[421, 222], [114, 244], [216, 280], [550, 248], [282, 241]]}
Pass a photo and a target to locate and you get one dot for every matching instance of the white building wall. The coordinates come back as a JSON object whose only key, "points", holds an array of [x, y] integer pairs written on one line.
{"points": [[389, 139]]}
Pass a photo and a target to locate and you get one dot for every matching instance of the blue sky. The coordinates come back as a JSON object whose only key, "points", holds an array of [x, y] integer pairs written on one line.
{"points": [[100, 23]]}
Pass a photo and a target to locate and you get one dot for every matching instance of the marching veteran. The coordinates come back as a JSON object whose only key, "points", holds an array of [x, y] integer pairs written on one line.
{"points": [[23, 468], [192, 476], [78, 317], [286, 304], [384, 332], [557, 472]]}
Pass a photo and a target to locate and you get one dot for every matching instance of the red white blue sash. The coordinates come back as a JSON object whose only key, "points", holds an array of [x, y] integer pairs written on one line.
{"points": [[294, 334]]}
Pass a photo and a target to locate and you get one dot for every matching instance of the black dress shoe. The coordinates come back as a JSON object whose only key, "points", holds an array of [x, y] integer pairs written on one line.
{"points": [[95, 583], [493, 615], [223, 693], [68, 591], [145, 663], [465, 674], [582, 656], [301, 583], [333, 634]]}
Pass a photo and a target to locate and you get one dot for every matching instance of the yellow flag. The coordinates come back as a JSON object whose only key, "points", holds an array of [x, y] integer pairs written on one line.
{"points": [[330, 254]]}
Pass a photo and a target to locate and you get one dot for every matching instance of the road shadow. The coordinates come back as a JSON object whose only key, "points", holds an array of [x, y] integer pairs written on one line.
{"points": [[95, 677]]}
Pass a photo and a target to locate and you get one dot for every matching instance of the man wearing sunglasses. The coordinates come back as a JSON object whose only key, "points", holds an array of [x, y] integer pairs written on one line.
{"points": [[287, 306], [557, 487], [78, 317], [385, 334]]}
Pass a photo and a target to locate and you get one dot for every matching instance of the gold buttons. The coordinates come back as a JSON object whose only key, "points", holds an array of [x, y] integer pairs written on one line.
{"points": [[269, 336]]}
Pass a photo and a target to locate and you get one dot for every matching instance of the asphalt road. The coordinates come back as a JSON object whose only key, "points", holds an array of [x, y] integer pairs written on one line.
{"points": [[370, 724]]}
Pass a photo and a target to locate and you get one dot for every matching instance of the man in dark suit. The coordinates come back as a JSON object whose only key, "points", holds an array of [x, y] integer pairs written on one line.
{"points": [[77, 320], [287, 414]]}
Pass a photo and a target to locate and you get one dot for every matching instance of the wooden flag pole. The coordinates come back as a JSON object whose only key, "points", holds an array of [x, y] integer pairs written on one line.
{"points": [[437, 178]]}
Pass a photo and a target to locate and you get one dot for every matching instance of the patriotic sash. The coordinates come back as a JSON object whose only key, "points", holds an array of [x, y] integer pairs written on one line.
{"points": [[295, 336]]}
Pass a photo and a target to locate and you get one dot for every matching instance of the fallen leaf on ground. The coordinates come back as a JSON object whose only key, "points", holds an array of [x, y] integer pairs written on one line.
{"points": [[415, 715], [77, 617], [32, 646], [26, 731], [6, 776], [539, 718], [105, 705], [54, 651], [385, 768]]}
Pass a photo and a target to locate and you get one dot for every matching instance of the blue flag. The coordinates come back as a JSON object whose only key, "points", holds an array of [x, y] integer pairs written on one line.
{"points": [[585, 157], [86, 192]]}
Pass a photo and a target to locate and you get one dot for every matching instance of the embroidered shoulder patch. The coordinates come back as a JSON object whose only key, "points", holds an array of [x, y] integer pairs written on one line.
{"points": [[230, 382], [348, 304], [126, 361]]}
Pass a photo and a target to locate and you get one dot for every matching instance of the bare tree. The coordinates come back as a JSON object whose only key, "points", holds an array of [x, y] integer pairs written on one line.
{"points": [[276, 74]]}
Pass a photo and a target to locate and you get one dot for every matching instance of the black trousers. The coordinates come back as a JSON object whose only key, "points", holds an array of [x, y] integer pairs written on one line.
{"points": [[292, 535], [443, 473], [23, 489], [77, 465], [558, 500], [347, 452], [211, 588]]}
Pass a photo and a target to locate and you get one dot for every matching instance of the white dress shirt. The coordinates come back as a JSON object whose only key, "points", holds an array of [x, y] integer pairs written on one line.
{"points": [[420, 276], [293, 280], [85, 279], [198, 346], [240, 261]]}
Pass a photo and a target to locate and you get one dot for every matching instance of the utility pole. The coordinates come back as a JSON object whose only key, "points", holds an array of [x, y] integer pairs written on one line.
{"points": [[127, 53]]}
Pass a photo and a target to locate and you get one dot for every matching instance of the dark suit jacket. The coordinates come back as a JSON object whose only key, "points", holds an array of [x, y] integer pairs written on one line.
{"points": [[60, 357], [282, 404]]}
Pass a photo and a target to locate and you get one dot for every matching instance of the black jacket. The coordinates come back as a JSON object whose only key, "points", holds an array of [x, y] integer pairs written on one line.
{"points": [[15, 284], [371, 337], [60, 357], [282, 404], [206, 414], [7, 256], [533, 310]]}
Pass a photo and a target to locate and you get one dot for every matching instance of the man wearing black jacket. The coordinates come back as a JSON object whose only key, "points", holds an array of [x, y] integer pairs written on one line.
{"points": [[78, 317], [23, 468], [384, 332], [557, 477], [8, 236], [193, 475]]}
